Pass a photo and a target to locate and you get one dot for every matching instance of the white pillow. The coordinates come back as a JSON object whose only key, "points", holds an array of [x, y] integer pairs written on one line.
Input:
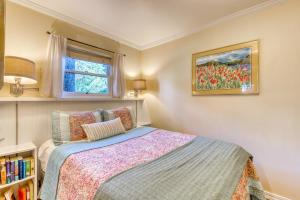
{"points": [[44, 153], [101, 130]]}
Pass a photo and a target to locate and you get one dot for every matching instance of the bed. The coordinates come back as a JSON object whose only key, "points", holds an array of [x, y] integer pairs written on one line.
{"points": [[149, 163]]}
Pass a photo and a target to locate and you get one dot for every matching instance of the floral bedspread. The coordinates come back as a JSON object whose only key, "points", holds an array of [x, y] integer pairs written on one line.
{"points": [[83, 173]]}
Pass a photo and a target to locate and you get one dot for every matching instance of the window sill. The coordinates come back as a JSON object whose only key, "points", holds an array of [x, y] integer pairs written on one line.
{"points": [[74, 98]]}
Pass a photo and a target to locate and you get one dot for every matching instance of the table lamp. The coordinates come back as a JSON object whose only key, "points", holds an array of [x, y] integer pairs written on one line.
{"points": [[18, 72], [138, 86]]}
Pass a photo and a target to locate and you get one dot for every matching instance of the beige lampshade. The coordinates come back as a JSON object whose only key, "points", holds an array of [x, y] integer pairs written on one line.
{"points": [[16, 67], [139, 84]]}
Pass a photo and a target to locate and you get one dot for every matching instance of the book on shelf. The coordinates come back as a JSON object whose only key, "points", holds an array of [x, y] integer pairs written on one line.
{"points": [[31, 189], [28, 166], [7, 165], [9, 194], [15, 168], [3, 171], [25, 192], [22, 192]]}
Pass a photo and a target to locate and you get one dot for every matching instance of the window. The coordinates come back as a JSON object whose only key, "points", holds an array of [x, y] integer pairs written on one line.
{"points": [[86, 74]]}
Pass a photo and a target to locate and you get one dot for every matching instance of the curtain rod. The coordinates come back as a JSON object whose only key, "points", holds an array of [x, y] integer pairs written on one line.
{"points": [[48, 32]]}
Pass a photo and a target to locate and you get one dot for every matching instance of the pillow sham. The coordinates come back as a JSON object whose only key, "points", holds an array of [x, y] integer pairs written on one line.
{"points": [[101, 130], [78, 119], [126, 115], [61, 131]]}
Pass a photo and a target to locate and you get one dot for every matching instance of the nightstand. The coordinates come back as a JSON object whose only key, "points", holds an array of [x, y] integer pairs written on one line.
{"points": [[24, 155], [139, 124]]}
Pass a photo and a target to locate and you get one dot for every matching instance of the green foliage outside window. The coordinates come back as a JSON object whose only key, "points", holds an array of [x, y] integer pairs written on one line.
{"points": [[86, 77]]}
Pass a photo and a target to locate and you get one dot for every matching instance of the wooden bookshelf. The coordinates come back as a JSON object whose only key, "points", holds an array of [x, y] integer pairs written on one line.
{"points": [[24, 150]]}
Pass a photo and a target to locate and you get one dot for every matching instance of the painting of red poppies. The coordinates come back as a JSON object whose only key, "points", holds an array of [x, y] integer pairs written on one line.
{"points": [[228, 70]]}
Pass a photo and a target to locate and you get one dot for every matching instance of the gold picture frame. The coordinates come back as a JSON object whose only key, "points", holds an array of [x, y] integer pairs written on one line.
{"points": [[2, 40], [232, 69]]}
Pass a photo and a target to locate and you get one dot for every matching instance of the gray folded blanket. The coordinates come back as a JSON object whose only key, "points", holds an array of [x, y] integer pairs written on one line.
{"points": [[203, 169]]}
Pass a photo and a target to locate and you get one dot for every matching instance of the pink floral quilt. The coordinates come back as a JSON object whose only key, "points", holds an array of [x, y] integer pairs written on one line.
{"points": [[82, 173]]}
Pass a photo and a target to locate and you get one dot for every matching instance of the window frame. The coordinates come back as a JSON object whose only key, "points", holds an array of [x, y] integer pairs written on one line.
{"points": [[74, 95]]}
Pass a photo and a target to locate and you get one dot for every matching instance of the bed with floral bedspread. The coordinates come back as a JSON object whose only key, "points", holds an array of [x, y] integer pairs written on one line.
{"points": [[148, 163]]}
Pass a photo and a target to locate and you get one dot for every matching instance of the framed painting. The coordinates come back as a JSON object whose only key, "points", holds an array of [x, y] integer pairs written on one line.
{"points": [[228, 70], [2, 31]]}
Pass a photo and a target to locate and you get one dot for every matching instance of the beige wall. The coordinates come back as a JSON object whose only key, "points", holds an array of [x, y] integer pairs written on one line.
{"points": [[26, 37], [267, 125]]}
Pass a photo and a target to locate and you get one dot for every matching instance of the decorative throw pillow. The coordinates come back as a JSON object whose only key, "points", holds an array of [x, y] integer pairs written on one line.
{"points": [[61, 126], [101, 130], [78, 119], [125, 114]]}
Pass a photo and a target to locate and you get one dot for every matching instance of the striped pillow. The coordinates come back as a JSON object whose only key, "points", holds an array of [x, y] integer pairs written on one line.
{"points": [[101, 130]]}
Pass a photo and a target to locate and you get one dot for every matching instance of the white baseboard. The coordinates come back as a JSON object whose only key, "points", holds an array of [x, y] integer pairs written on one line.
{"points": [[271, 196]]}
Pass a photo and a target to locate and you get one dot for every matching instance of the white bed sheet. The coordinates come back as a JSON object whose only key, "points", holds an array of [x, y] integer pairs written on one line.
{"points": [[45, 151]]}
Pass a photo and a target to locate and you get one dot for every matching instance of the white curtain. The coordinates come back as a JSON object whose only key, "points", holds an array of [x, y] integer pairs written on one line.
{"points": [[52, 74], [118, 86]]}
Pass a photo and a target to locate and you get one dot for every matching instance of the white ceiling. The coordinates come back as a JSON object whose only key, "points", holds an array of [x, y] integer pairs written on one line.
{"points": [[145, 23]]}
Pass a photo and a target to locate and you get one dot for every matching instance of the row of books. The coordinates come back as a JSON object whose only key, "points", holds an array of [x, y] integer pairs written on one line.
{"points": [[24, 192], [15, 168]]}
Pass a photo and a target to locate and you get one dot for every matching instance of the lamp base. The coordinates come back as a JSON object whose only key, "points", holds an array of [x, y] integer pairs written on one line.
{"points": [[136, 93], [16, 89]]}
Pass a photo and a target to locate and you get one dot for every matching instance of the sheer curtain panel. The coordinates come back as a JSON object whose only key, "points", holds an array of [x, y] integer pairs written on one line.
{"points": [[118, 86], [52, 74]]}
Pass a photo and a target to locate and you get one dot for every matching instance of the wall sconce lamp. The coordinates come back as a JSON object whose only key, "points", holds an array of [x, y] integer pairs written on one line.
{"points": [[19, 72], [138, 86]]}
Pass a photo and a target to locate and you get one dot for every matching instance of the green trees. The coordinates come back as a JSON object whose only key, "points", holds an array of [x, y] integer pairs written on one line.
{"points": [[86, 77]]}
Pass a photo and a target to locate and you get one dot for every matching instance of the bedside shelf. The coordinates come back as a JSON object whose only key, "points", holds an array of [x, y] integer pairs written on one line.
{"points": [[41, 99], [17, 182], [15, 149], [139, 124], [25, 150]]}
